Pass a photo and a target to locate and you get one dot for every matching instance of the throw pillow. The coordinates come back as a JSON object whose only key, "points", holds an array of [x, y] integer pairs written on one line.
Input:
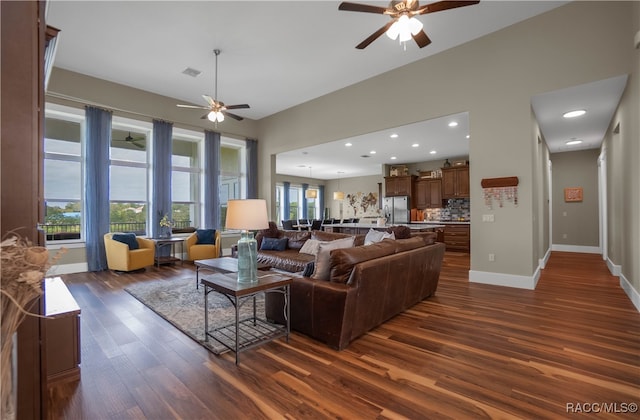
{"points": [[126, 238], [374, 236], [206, 236], [311, 246], [322, 269], [274, 244], [308, 269]]}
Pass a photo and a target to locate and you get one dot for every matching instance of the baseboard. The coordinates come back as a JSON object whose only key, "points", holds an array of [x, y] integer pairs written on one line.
{"points": [[507, 280], [542, 262], [632, 293], [577, 248], [614, 269], [57, 270]]}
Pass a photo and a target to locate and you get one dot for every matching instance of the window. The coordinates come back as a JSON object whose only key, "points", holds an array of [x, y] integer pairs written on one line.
{"points": [[232, 174], [128, 209], [279, 209], [63, 177], [295, 198], [185, 176]]}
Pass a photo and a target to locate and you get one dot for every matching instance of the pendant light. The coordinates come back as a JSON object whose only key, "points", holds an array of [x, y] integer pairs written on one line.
{"points": [[338, 195], [311, 193]]}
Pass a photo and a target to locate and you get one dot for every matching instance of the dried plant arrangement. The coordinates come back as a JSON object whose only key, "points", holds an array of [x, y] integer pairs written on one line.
{"points": [[23, 269]]}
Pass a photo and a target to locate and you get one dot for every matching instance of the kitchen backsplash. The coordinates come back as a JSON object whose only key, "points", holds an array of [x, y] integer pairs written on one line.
{"points": [[456, 209]]}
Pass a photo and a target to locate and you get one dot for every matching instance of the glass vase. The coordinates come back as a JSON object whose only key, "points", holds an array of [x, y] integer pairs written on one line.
{"points": [[247, 258]]}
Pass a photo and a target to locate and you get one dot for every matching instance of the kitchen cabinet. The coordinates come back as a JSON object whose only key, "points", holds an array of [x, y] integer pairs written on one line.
{"points": [[428, 193], [455, 182], [457, 237], [399, 185]]}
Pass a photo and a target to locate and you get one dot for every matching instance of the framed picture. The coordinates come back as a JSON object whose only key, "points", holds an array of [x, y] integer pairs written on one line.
{"points": [[573, 194]]}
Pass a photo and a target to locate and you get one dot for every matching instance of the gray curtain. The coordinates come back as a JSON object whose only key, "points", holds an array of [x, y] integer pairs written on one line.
{"points": [[211, 216], [305, 187], [96, 203], [252, 168], [161, 176], [320, 214], [286, 208]]}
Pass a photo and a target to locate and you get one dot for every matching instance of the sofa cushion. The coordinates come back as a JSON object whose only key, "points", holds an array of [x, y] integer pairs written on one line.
{"points": [[206, 236], [428, 237], [296, 238], [342, 261], [374, 236], [322, 268], [126, 238], [400, 232], [402, 245], [274, 244], [288, 260], [308, 269], [311, 246]]}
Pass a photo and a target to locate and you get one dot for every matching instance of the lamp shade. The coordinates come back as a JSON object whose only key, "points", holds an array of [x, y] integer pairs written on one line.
{"points": [[247, 214], [311, 193], [338, 195]]}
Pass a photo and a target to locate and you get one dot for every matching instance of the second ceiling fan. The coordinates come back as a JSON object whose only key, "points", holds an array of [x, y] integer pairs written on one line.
{"points": [[217, 109], [403, 23]]}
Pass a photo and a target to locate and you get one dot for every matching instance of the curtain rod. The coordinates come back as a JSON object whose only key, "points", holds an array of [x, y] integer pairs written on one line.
{"points": [[110, 108]]}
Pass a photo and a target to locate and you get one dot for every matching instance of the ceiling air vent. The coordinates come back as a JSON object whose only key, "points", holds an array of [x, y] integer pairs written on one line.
{"points": [[365, 156], [191, 72]]}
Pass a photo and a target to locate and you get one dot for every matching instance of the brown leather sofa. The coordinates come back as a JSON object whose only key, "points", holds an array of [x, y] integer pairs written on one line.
{"points": [[368, 285], [291, 259]]}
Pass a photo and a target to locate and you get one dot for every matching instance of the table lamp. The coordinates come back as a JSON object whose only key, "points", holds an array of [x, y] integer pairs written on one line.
{"points": [[247, 215]]}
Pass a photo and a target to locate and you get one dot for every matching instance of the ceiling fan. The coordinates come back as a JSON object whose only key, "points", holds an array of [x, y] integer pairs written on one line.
{"points": [[403, 23], [133, 140], [217, 109]]}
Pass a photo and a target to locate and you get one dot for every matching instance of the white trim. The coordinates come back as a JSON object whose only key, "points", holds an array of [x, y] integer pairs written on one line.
{"points": [[614, 269], [576, 248], [57, 270], [632, 293], [542, 262], [508, 280]]}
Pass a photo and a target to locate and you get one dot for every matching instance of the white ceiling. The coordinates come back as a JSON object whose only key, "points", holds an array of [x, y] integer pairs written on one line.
{"points": [[275, 55]]}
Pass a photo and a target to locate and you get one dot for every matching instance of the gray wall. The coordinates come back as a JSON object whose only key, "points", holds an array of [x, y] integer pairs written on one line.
{"points": [[576, 223]]}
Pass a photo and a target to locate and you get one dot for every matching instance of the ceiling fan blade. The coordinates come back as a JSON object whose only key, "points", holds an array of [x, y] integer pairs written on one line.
{"points": [[375, 35], [208, 99], [442, 5], [237, 106], [234, 116], [421, 39], [191, 106], [355, 7]]}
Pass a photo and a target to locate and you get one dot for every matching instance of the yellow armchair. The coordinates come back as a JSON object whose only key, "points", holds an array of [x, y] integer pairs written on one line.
{"points": [[197, 251], [121, 258]]}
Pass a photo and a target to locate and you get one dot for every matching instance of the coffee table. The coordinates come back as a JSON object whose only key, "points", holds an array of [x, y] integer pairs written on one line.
{"points": [[246, 333], [221, 265]]}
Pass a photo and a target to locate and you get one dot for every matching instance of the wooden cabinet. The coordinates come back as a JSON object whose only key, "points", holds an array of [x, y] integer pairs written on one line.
{"points": [[457, 237], [428, 193], [399, 185], [455, 182]]}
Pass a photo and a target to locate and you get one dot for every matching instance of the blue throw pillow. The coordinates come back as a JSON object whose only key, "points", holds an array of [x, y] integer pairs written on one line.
{"points": [[126, 238], [274, 244], [206, 236], [308, 269]]}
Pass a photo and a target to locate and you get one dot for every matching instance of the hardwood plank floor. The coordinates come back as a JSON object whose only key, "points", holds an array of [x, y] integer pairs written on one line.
{"points": [[472, 351]]}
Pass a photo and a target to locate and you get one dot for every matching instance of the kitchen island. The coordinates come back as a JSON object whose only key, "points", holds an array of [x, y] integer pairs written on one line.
{"points": [[363, 228]]}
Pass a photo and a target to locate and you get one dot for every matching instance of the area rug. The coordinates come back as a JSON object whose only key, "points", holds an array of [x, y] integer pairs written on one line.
{"points": [[181, 304]]}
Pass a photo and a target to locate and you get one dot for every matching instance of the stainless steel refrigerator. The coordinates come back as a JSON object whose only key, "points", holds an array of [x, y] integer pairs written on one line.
{"points": [[396, 209]]}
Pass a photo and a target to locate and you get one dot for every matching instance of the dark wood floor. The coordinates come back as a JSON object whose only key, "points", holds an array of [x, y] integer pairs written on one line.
{"points": [[472, 351]]}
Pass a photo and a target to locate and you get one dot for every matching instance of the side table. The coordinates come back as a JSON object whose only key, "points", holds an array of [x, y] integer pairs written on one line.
{"points": [[221, 265], [164, 242], [246, 333]]}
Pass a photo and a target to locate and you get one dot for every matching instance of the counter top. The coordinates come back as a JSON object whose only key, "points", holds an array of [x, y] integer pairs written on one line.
{"points": [[412, 225], [442, 222]]}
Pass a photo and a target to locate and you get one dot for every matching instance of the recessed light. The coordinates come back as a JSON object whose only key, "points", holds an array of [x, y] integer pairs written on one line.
{"points": [[453, 124], [415, 145], [394, 136], [393, 158], [573, 142], [573, 114], [348, 144], [373, 152], [433, 152], [468, 136]]}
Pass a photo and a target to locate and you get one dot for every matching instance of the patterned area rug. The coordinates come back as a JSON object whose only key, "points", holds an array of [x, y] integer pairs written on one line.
{"points": [[182, 305]]}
